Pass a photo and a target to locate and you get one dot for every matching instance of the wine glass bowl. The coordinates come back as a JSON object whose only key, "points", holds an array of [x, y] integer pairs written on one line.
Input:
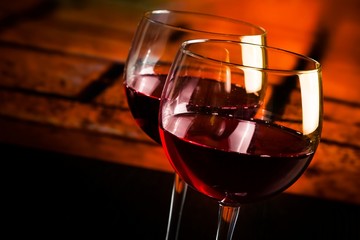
{"points": [[156, 41], [240, 122]]}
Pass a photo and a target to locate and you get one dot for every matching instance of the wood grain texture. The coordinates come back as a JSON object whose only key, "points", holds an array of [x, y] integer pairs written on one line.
{"points": [[48, 72], [61, 79], [91, 29]]}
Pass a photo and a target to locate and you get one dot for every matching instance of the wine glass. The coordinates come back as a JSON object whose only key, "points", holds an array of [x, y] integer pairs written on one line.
{"points": [[156, 41], [236, 131]]}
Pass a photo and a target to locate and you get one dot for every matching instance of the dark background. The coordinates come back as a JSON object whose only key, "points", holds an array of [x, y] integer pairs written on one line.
{"points": [[48, 195]]}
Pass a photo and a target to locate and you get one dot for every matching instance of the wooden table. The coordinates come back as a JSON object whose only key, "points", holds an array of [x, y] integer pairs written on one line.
{"points": [[61, 79]]}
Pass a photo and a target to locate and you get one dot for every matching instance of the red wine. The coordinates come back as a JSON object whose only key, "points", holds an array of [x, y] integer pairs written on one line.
{"points": [[144, 103], [144, 100], [235, 160]]}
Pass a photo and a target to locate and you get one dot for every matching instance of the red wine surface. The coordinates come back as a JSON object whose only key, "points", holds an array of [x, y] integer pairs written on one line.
{"points": [[144, 101], [234, 160]]}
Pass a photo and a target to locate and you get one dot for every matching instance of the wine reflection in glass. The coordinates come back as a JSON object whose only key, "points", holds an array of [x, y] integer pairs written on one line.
{"points": [[156, 41], [237, 132]]}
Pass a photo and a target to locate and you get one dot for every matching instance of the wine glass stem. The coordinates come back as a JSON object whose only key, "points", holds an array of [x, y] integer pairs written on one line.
{"points": [[226, 221], [176, 207]]}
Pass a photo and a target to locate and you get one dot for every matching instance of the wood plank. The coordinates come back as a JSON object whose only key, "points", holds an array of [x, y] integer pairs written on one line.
{"points": [[48, 72], [93, 30], [119, 15], [84, 143], [334, 174], [70, 114], [341, 123], [70, 37], [113, 96]]}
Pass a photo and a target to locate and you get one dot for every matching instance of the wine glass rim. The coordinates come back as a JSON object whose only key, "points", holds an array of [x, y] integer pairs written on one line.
{"points": [[260, 31], [186, 44]]}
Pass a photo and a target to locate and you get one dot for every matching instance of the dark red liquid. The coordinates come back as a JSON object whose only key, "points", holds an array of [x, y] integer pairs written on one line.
{"points": [[144, 100], [235, 160], [144, 103]]}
